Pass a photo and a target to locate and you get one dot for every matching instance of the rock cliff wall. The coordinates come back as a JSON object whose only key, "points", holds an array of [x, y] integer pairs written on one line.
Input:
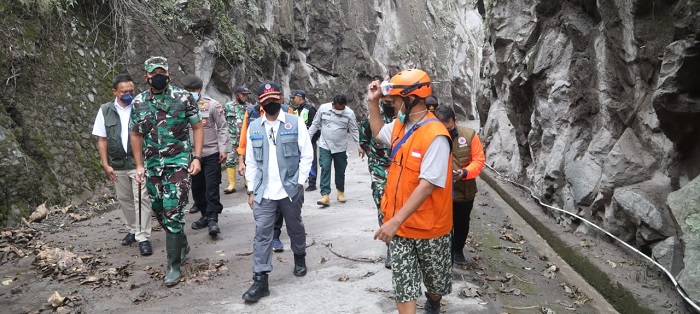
{"points": [[596, 105]]}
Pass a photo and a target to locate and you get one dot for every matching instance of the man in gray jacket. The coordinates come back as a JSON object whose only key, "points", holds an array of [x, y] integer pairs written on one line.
{"points": [[334, 120], [205, 185]]}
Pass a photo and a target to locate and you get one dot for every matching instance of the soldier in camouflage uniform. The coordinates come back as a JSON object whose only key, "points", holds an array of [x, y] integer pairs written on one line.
{"points": [[160, 120], [378, 161], [235, 113]]}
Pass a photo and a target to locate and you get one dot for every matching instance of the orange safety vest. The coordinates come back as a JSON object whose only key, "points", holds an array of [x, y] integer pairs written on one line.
{"points": [[434, 217]]}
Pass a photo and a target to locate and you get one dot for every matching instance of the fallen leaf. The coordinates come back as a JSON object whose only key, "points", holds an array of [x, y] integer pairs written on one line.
{"points": [[343, 278], [612, 264], [6, 282], [56, 299], [323, 260]]}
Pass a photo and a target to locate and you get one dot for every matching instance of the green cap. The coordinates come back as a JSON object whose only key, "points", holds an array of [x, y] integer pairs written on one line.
{"points": [[155, 62]]}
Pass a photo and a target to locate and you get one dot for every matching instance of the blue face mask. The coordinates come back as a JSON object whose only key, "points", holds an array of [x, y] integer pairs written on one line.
{"points": [[401, 116], [126, 98], [195, 95]]}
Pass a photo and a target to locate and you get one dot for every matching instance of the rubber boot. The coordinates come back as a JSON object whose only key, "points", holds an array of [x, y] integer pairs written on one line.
{"points": [[231, 181], [173, 246], [431, 306], [185, 246], [259, 289], [324, 201], [300, 265]]}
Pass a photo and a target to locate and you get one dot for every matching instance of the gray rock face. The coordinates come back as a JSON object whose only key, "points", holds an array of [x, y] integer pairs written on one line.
{"points": [[580, 107], [669, 253], [685, 206], [644, 207]]}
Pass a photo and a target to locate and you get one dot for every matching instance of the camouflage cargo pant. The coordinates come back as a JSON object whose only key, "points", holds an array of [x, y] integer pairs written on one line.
{"points": [[378, 185], [232, 159], [416, 259], [168, 190]]}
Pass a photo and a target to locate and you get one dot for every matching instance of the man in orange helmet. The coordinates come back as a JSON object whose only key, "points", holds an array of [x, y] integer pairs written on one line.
{"points": [[417, 203]]}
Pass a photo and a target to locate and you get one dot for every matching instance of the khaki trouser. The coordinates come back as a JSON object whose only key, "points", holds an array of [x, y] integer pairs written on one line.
{"points": [[128, 200]]}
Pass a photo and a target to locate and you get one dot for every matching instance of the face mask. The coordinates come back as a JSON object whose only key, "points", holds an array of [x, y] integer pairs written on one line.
{"points": [[195, 95], [389, 111], [401, 116], [240, 101], [159, 81], [126, 99], [272, 108], [454, 133]]}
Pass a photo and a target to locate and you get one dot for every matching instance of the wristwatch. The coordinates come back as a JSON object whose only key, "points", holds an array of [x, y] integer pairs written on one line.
{"points": [[197, 157]]}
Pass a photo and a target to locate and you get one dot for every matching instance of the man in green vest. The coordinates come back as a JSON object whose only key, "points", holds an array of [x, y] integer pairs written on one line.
{"points": [[467, 161], [112, 130]]}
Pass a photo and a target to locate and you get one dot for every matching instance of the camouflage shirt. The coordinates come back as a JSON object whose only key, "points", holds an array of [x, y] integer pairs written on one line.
{"points": [[164, 121], [378, 154], [378, 160], [235, 112]]}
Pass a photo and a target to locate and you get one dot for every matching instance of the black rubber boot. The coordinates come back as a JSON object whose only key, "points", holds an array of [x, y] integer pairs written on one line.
{"points": [[299, 265], [431, 306], [185, 246], [259, 289], [173, 246]]}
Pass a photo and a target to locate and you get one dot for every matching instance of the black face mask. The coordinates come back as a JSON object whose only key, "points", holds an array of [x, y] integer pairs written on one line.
{"points": [[389, 111], [240, 101], [272, 108], [454, 133], [159, 81]]}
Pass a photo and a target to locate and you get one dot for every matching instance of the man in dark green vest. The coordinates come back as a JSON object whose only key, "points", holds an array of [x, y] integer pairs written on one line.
{"points": [[112, 131], [467, 161]]}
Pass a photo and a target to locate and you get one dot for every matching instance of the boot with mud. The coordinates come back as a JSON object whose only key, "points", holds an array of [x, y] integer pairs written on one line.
{"points": [[341, 197], [431, 306], [259, 289], [324, 201], [231, 173], [300, 265], [173, 245], [185, 247]]}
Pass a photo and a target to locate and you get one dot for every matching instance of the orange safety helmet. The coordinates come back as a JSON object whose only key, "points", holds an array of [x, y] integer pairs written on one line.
{"points": [[408, 82]]}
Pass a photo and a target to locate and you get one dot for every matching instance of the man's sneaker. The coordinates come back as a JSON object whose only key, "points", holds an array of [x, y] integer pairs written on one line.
{"points": [[213, 228], [277, 245], [129, 239], [201, 223]]}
